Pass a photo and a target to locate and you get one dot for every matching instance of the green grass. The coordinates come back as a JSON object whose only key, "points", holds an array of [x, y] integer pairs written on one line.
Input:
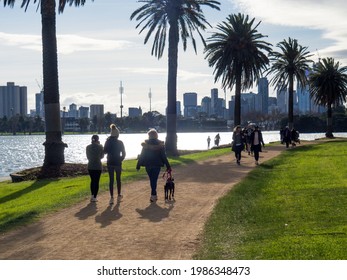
{"points": [[293, 207], [25, 202]]}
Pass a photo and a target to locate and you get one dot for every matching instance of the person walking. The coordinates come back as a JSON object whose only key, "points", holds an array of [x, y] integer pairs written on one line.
{"points": [[287, 136], [256, 143], [115, 151], [153, 157], [208, 142], [94, 153], [238, 143], [217, 139]]}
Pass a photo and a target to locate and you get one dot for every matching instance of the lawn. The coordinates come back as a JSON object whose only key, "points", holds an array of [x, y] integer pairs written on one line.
{"points": [[25, 202], [293, 207]]}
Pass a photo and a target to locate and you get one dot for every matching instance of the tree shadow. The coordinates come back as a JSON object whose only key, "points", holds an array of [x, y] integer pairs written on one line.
{"points": [[109, 215], [154, 213], [33, 187], [89, 210]]}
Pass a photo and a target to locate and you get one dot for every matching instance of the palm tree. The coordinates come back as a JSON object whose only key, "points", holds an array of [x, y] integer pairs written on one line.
{"points": [[181, 18], [290, 63], [237, 54], [54, 146], [328, 87]]}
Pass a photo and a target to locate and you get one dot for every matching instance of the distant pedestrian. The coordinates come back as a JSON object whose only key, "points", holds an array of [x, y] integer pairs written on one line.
{"points": [[287, 136], [208, 142], [256, 143], [115, 151], [238, 143], [153, 157], [217, 139], [94, 153]]}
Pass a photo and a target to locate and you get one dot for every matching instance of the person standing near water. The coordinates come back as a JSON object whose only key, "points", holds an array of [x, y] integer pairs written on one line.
{"points": [[95, 153], [115, 151], [256, 142], [208, 142]]}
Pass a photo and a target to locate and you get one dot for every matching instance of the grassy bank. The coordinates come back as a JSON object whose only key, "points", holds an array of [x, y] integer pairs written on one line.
{"points": [[291, 207], [24, 202]]}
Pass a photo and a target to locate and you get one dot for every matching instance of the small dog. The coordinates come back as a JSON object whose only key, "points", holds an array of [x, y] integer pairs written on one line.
{"points": [[169, 187]]}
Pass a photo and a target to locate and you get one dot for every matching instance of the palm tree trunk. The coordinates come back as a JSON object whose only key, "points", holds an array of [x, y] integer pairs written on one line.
{"points": [[291, 102], [54, 147], [237, 111], [329, 132], [171, 114]]}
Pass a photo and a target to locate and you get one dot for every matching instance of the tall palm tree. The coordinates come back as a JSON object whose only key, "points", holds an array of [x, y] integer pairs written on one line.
{"points": [[238, 55], [328, 87], [181, 18], [54, 146], [290, 63]]}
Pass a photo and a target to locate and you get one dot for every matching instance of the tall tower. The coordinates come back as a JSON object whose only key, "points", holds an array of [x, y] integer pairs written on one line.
{"points": [[150, 100], [121, 91]]}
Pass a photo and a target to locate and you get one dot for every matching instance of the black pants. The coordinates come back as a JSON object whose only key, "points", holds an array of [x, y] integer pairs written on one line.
{"points": [[111, 170], [94, 181], [256, 150]]}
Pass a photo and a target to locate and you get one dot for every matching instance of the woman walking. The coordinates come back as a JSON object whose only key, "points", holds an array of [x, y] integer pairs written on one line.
{"points": [[256, 142], [115, 151], [238, 143], [94, 153], [153, 157]]}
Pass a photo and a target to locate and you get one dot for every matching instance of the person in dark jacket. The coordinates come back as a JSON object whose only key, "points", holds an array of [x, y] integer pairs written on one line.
{"points": [[256, 142], [115, 151], [153, 157], [94, 153], [238, 143]]}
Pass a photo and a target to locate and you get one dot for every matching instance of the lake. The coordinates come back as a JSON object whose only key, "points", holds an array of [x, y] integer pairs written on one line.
{"points": [[25, 151]]}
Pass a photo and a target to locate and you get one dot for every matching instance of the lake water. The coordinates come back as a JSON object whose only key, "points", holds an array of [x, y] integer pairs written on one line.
{"points": [[21, 152]]}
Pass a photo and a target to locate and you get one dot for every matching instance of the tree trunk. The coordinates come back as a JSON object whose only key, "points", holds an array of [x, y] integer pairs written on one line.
{"points": [[329, 133], [171, 114], [237, 111], [54, 147], [291, 102]]}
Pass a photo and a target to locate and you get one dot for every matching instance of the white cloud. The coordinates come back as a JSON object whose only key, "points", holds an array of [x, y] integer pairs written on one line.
{"points": [[67, 43], [328, 16]]}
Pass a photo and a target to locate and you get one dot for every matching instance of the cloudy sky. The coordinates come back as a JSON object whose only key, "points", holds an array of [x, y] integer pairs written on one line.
{"points": [[99, 47]]}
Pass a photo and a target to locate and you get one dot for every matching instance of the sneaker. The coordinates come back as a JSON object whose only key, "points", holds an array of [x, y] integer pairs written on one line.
{"points": [[256, 162], [238, 162], [94, 199], [153, 198], [119, 197], [111, 200]]}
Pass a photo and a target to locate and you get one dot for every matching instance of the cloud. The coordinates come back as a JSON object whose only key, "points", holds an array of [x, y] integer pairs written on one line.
{"points": [[67, 44], [328, 16], [181, 74]]}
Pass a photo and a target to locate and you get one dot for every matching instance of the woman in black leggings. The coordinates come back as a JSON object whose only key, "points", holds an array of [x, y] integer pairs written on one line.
{"points": [[95, 152]]}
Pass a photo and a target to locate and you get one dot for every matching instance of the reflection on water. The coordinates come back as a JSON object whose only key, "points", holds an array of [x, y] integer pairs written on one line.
{"points": [[21, 152]]}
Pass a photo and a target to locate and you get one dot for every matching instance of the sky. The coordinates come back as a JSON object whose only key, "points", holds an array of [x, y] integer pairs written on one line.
{"points": [[99, 47]]}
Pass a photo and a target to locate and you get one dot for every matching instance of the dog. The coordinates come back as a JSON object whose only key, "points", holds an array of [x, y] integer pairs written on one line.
{"points": [[169, 187]]}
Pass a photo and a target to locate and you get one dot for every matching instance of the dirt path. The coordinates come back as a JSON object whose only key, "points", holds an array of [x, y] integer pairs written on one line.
{"points": [[134, 228]]}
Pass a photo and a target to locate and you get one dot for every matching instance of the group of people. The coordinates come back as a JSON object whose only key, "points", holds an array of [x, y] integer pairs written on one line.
{"points": [[152, 157], [250, 139], [289, 136]]}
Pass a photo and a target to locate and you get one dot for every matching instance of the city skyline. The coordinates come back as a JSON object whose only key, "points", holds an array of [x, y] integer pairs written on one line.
{"points": [[99, 47]]}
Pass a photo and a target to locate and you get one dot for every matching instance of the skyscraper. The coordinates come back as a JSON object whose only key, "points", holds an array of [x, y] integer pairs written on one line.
{"points": [[214, 101], [263, 91], [190, 104], [13, 100]]}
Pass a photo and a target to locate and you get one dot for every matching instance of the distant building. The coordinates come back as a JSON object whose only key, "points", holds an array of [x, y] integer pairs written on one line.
{"points": [[214, 101], [190, 100], [39, 105], [134, 112], [263, 92], [96, 110], [178, 108], [73, 113], [206, 105], [83, 112], [13, 100]]}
